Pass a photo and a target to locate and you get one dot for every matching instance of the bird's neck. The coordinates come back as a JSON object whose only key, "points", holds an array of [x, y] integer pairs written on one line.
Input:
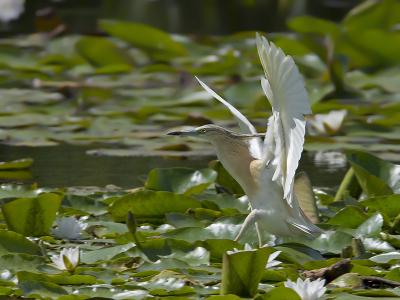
{"points": [[236, 158]]}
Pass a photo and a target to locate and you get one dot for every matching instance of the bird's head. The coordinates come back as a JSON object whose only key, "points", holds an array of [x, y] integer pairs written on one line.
{"points": [[215, 134]]}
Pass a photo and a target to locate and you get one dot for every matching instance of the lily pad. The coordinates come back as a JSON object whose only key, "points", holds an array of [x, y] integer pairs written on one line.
{"points": [[24, 163], [390, 205], [144, 36], [102, 53], [376, 176], [151, 204], [180, 180], [31, 216]]}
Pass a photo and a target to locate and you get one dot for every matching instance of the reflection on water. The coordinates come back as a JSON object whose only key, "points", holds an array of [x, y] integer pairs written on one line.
{"points": [[69, 165]]}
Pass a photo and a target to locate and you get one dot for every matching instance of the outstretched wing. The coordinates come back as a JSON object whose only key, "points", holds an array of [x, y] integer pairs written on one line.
{"points": [[285, 90], [255, 144]]}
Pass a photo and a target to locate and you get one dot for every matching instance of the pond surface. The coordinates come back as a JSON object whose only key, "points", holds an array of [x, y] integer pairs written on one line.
{"points": [[68, 165]]}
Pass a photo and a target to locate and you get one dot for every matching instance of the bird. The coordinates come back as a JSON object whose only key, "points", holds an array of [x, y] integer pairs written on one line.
{"points": [[266, 169]]}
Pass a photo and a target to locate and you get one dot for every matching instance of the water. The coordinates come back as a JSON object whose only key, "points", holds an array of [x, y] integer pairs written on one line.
{"points": [[68, 165]]}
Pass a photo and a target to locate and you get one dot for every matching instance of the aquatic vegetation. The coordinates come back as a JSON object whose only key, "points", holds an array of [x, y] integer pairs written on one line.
{"points": [[68, 228], [68, 260], [307, 290], [178, 241], [128, 92]]}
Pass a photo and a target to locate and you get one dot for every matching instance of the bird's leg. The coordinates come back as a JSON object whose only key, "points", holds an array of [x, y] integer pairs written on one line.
{"points": [[259, 233], [250, 220]]}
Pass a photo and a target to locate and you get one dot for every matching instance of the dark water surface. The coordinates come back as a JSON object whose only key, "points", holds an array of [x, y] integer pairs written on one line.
{"points": [[69, 165]]}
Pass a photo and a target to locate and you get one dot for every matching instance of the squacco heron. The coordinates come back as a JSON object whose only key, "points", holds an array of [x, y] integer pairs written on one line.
{"points": [[266, 170]]}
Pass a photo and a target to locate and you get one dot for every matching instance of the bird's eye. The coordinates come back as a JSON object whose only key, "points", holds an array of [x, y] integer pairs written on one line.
{"points": [[203, 130]]}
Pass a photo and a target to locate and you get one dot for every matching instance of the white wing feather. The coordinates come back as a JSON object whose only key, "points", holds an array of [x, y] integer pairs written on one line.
{"points": [[255, 144], [285, 90]]}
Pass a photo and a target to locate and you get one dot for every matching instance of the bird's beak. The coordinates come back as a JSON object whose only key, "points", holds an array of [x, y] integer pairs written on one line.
{"points": [[190, 132]]}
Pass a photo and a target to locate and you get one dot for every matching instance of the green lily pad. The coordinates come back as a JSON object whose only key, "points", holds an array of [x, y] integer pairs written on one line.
{"points": [[223, 228], [242, 271], [31, 216], [24, 163], [181, 220], [373, 14], [151, 204], [20, 262], [376, 177], [308, 24], [394, 275], [332, 241], [386, 257], [281, 293], [58, 279], [347, 280], [180, 180], [145, 37], [298, 253], [227, 201], [32, 288], [85, 204], [371, 228], [102, 54], [106, 253], [390, 205], [12, 242], [350, 217]]}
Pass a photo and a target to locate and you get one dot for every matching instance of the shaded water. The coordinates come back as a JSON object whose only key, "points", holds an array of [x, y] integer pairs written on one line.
{"points": [[69, 165]]}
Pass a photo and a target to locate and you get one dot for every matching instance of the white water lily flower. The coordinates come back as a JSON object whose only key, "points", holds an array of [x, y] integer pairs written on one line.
{"points": [[68, 228], [271, 260], [326, 124], [11, 9], [247, 247], [306, 289], [68, 260]]}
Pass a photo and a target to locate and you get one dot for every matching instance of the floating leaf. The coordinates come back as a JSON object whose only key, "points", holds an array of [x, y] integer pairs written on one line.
{"points": [[16, 164], [298, 253], [58, 279], [31, 216], [386, 257], [224, 228], [390, 205], [281, 293], [20, 262], [332, 241], [11, 242], [242, 271], [376, 176], [356, 44], [151, 204], [349, 279], [180, 180], [32, 288], [308, 24], [350, 217], [144, 36], [371, 14], [371, 228], [102, 53]]}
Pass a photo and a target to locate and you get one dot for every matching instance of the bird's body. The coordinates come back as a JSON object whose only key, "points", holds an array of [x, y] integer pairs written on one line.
{"points": [[266, 170], [265, 195]]}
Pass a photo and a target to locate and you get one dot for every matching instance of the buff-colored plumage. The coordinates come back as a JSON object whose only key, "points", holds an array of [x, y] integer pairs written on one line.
{"points": [[266, 170]]}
